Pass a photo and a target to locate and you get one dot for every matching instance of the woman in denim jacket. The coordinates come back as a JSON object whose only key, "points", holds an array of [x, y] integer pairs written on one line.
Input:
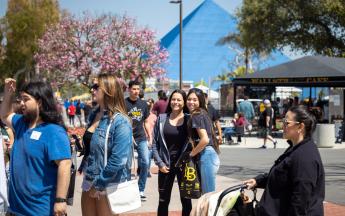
{"points": [[110, 98], [170, 138]]}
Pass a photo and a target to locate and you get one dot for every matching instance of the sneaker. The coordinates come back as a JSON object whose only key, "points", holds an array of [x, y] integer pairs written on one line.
{"points": [[275, 144], [263, 147], [142, 196]]}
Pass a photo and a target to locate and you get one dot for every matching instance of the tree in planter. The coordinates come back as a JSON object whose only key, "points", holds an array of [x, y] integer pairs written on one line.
{"points": [[79, 48]]}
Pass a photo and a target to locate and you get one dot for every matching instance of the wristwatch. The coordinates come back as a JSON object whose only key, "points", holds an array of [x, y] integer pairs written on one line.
{"points": [[60, 200]]}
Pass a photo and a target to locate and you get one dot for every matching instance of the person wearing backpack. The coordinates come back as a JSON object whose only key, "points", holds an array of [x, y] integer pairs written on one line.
{"points": [[266, 123]]}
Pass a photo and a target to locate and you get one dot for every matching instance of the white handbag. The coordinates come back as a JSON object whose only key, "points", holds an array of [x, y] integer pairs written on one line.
{"points": [[125, 196]]}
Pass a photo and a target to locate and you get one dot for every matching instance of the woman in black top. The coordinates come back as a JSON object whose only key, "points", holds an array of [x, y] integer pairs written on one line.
{"points": [[170, 137], [202, 135], [295, 184]]}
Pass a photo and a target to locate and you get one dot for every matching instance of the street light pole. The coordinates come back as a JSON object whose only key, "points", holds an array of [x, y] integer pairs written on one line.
{"points": [[181, 26]]}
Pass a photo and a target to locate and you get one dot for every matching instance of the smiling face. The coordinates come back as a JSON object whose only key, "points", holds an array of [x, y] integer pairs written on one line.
{"points": [[176, 102], [192, 102]]}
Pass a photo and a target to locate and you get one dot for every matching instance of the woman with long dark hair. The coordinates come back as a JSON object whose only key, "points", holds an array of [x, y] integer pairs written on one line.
{"points": [[170, 138], [201, 132], [295, 184]]}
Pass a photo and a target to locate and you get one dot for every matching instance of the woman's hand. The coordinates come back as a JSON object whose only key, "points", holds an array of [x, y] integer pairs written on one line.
{"points": [[251, 183], [192, 153], [164, 169]]}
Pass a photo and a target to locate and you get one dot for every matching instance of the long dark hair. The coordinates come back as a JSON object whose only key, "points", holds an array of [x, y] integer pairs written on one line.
{"points": [[184, 96], [200, 95], [43, 93], [201, 110], [302, 115]]}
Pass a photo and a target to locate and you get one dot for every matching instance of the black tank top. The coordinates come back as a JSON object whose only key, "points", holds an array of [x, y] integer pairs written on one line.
{"points": [[86, 141]]}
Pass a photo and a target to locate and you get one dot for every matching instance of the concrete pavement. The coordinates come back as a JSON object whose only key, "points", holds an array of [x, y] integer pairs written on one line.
{"points": [[149, 207]]}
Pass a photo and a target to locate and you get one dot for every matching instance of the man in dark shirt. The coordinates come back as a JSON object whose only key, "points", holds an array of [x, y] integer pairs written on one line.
{"points": [[268, 123], [214, 116], [137, 110]]}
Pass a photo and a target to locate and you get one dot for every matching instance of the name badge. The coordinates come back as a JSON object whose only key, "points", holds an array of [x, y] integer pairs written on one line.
{"points": [[35, 135]]}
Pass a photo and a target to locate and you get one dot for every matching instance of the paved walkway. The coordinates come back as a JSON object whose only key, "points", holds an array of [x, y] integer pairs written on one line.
{"points": [[149, 207]]}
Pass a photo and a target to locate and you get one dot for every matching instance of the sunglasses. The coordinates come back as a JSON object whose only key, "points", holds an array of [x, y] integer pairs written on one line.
{"points": [[94, 87], [287, 122]]}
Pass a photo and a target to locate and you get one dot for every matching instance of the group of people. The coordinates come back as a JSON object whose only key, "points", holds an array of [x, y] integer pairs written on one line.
{"points": [[244, 118], [40, 157], [77, 108]]}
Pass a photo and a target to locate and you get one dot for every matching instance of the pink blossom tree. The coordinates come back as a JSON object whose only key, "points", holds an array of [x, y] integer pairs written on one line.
{"points": [[79, 48]]}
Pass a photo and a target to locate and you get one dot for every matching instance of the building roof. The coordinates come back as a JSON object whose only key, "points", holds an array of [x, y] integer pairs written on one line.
{"points": [[308, 66], [202, 58], [311, 71]]}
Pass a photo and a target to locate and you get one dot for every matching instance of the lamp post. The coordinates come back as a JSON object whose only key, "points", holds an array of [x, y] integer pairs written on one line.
{"points": [[180, 3]]}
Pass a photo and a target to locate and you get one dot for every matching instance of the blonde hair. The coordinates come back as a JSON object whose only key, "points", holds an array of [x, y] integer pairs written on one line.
{"points": [[113, 94]]}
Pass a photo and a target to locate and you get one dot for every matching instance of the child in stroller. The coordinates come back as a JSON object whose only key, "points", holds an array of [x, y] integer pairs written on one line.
{"points": [[229, 202]]}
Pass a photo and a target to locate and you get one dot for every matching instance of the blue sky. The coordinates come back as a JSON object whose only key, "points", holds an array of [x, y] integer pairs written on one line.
{"points": [[160, 15]]}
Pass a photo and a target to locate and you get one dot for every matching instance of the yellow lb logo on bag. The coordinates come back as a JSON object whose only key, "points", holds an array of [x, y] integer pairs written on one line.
{"points": [[189, 173]]}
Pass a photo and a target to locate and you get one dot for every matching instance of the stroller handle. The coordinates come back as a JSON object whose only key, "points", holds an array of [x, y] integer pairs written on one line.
{"points": [[226, 191]]}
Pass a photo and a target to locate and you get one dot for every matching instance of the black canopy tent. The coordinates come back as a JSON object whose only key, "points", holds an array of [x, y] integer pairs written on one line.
{"points": [[309, 71]]}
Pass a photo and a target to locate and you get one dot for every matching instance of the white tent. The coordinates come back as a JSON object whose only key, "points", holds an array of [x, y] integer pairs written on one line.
{"points": [[211, 93], [286, 91]]}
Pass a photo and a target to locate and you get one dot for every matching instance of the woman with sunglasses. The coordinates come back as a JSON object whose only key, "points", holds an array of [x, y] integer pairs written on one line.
{"points": [[170, 138], [201, 133], [97, 176], [295, 184]]}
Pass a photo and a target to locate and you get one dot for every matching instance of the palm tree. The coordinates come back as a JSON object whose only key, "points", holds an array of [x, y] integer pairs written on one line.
{"points": [[237, 39]]}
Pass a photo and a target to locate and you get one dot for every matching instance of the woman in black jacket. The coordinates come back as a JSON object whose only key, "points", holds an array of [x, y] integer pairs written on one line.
{"points": [[295, 184], [170, 138]]}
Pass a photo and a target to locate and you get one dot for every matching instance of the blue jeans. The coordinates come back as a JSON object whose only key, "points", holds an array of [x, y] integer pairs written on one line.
{"points": [[150, 158], [209, 165], [143, 163]]}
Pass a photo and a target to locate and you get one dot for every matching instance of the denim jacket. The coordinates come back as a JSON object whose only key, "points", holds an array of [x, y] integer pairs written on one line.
{"points": [[119, 153], [160, 150]]}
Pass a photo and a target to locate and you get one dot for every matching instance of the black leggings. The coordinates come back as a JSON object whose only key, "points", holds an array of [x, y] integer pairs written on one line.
{"points": [[165, 184]]}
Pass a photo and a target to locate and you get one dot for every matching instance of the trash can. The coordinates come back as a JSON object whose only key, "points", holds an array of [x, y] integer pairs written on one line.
{"points": [[338, 131], [324, 135]]}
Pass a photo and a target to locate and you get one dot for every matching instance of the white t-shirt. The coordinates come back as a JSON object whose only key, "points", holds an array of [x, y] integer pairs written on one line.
{"points": [[3, 182]]}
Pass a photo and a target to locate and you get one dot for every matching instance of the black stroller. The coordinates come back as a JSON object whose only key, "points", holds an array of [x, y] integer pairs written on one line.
{"points": [[243, 206]]}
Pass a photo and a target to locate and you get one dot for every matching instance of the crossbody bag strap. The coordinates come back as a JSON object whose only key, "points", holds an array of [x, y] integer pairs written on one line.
{"points": [[106, 144], [107, 138]]}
